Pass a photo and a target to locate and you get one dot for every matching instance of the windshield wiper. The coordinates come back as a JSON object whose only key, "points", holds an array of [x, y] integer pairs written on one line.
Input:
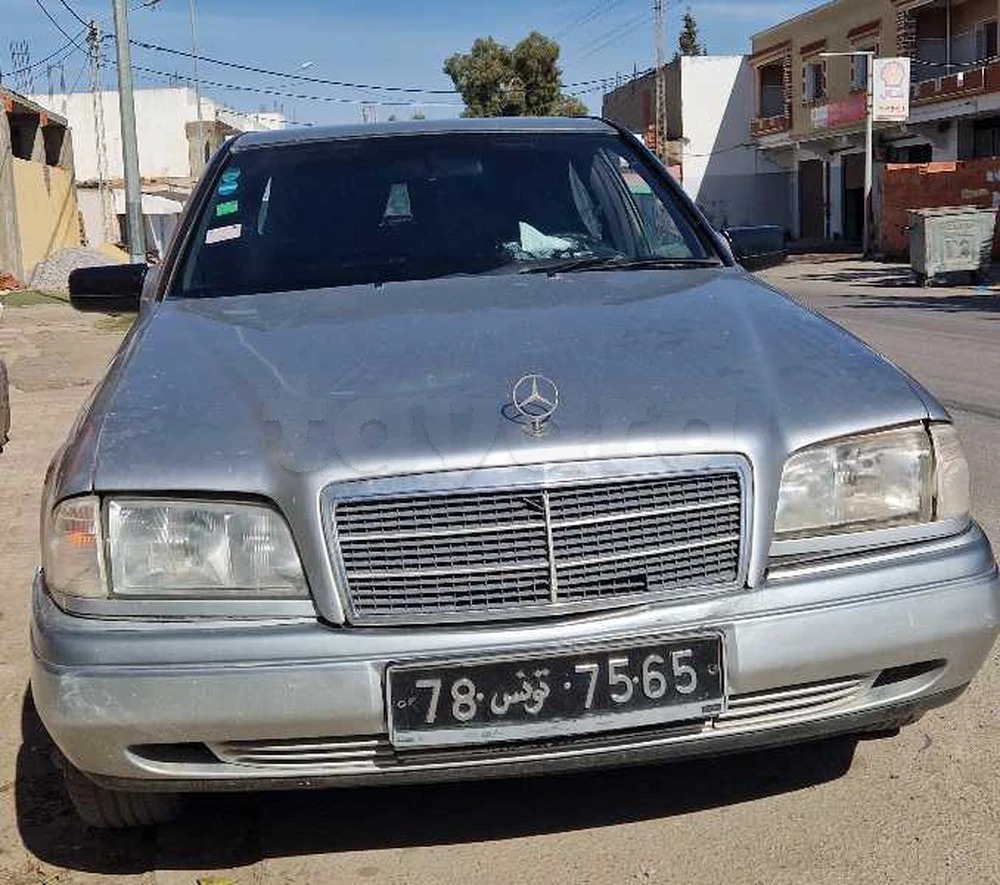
{"points": [[595, 262]]}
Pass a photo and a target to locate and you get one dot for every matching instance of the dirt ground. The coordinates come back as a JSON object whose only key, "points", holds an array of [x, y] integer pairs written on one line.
{"points": [[921, 807]]}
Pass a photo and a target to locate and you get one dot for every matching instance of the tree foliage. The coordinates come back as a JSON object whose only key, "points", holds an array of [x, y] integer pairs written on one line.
{"points": [[687, 42], [496, 81]]}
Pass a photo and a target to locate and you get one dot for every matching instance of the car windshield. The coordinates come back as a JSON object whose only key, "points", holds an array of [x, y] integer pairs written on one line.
{"points": [[412, 207]]}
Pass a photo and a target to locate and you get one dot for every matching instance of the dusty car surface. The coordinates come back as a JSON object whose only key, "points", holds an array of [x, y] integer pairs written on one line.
{"points": [[433, 455]]}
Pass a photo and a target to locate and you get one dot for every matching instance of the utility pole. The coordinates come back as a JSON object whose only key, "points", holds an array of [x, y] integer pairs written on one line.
{"points": [[869, 152], [111, 233], [197, 83], [661, 91], [130, 148]]}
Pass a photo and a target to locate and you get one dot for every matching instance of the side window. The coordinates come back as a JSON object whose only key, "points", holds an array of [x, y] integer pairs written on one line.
{"points": [[661, 230], [585, 205]]}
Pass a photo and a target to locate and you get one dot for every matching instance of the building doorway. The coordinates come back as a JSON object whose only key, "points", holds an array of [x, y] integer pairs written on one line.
{"points": [[812, 206], [854, 197]]}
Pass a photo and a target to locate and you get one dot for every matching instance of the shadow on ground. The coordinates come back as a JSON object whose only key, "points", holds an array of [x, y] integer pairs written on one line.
{"points": [[902, 292], [227, 831], [894, 276]]}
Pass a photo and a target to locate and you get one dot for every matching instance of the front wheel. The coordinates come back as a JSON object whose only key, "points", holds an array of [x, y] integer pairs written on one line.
{"points": [[113, 809]]}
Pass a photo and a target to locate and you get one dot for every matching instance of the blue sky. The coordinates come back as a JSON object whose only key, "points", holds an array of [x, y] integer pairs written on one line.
{"points": [[381, 41]]}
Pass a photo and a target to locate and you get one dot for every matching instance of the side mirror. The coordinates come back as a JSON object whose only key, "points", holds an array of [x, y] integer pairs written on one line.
{"points": [[4, 406], [114, 288], [757, 247]]}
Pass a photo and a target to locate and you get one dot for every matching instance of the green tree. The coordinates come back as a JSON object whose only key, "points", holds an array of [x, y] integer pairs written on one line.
{"points": [[496, 81], [569, 106], [687, 42]]}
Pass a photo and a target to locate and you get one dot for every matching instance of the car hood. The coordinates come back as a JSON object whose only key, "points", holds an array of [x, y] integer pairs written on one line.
{"points": [[232, 393]]}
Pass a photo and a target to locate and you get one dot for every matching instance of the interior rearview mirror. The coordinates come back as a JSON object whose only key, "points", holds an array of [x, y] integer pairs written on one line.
{"points": [[113, 288]]}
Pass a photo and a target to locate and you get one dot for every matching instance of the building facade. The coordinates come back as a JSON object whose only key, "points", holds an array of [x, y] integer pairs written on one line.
{"points": [[809, 109], [709, 101], [38, 205], [174, 146]]}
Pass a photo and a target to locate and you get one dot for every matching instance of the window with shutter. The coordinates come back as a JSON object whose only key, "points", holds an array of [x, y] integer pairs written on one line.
{"points": [[986, 41]]}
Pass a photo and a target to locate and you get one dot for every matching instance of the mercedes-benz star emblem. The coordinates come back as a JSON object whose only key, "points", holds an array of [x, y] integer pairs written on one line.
{"points": [[535, 398]]}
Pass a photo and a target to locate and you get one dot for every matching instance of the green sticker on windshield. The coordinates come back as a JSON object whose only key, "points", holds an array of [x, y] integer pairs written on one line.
{"points": [[228, 208]]}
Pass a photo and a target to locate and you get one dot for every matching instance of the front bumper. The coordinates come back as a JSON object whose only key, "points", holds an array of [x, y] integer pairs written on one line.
{"points": [[227, 704]]}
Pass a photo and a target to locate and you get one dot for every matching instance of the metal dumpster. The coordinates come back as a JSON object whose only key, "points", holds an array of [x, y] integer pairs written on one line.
{"points": [[949, 239]]}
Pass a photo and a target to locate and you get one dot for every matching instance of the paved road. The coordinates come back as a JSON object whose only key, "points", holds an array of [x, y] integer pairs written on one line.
{"points": [[922, 807]]}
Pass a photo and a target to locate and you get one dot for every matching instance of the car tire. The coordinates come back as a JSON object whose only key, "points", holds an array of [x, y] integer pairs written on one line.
{"points": [[113, 809]]}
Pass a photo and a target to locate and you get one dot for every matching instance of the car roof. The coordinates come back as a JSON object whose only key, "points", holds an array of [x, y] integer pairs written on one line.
{"points": [[420, 127]]}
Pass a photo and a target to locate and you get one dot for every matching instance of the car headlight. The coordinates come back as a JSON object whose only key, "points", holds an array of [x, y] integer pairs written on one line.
{"points": [[905, 476], [162, 549]]}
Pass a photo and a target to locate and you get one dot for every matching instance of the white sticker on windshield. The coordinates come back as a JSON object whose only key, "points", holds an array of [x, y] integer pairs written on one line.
{"points": [[221, 234]]}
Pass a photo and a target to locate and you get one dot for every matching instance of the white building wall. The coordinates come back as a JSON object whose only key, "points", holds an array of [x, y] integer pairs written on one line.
{"points": [[723, 171], [161, 116]]}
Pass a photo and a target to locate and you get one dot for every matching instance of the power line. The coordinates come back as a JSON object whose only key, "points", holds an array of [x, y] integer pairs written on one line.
{"points": [[614, 35], [602, 8], [306, 79], [73, 12], [410, 90], [325, 98], [58, 26]]}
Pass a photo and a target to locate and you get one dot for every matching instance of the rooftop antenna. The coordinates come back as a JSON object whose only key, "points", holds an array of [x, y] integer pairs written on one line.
{"points": [[20, 57]]}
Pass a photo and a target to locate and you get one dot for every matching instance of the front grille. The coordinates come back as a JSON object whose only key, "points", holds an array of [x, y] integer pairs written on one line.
{"points": [[447, 556]]}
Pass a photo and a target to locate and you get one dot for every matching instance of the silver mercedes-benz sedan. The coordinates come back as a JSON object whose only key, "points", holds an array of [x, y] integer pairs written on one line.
{"points": [[467, 449]]}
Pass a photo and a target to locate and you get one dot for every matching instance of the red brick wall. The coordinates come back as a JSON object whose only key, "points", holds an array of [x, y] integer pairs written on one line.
{"points": [[928, 185]]}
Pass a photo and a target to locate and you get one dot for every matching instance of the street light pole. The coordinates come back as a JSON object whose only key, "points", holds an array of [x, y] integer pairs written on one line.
{"points": [[869, 214], [869, 152], [130, 148]]}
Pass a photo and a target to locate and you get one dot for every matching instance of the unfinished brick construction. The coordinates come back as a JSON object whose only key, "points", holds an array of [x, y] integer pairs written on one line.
{"points": [[929, 185]]}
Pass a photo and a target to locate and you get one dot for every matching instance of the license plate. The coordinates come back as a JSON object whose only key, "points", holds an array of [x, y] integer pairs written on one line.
{"points": [[556, 694]]}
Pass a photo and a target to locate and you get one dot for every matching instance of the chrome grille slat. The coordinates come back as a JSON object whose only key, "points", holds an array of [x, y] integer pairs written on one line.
{"points": [[428, 556], [796, 700], [458, 531], [439, 512], [620, 539], [585, 561], [641, 514], [448, 572], [332, 754]]}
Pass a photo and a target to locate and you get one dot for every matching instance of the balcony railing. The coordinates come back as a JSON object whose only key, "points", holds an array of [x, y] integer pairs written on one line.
{"points": [[982, 79], [761, 126]]}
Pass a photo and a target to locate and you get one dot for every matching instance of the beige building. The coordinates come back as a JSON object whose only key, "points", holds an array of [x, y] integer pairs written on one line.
{"points": [[810, 109], [38, 208]]}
